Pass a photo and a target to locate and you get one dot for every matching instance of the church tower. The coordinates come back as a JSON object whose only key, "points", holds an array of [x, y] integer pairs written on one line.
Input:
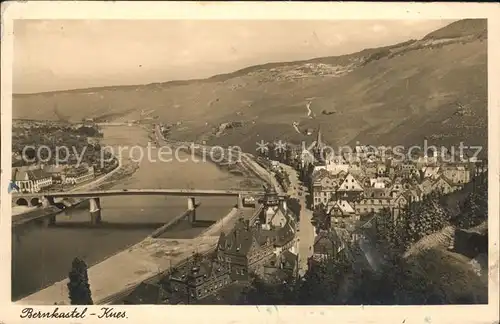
{"points": [[270, 204], [319, 142], [318, 148], [270, 197]]}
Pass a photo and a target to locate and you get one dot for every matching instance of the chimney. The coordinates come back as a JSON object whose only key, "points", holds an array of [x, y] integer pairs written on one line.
{"points": [[284, 204]]}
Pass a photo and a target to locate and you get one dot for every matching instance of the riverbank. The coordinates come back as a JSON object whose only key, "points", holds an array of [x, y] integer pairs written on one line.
{"points": [[147, 259], [121, 171], [227, 161], [131, 219]]}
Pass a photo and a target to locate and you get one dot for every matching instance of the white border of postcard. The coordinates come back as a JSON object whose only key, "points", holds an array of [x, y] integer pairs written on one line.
{"points": [[10, 312]]}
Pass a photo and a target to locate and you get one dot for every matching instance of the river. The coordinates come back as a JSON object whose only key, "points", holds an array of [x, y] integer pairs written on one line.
{"points": [[43, 255]]}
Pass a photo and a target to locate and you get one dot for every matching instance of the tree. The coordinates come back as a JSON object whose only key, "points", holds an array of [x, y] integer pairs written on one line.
{"points": [[269, 292], [386, 229], [321, 218], [473, 212], [78, 285], [321, 284]]}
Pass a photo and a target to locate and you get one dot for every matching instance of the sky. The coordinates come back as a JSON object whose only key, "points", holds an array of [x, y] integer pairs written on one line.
{"points": [[54, 55]]}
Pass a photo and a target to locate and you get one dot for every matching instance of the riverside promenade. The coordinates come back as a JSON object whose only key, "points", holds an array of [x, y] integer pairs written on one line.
{"points": [[125, 270]]}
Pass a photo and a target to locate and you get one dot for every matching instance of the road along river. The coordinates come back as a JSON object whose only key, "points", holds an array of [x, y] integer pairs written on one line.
{"points": [[43, 256]]}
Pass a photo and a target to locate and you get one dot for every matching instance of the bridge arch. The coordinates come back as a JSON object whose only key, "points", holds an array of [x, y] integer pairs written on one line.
{"points": [[35, 201], [22, 202]]}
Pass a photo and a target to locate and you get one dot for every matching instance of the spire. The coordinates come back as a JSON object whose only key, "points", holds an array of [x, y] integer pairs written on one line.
{"points": [[319, 143]]}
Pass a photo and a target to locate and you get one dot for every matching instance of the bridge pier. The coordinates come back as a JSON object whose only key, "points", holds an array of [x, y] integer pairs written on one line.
{"points": [[192, 209], [47, 201], [95, 210], [240, 202]]}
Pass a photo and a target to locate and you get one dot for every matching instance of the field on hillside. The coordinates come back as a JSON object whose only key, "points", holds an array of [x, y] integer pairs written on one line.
{"points": [[398, 95]]}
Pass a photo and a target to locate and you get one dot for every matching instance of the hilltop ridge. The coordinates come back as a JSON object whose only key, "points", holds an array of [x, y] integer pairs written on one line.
{"points": [[396, 95]]}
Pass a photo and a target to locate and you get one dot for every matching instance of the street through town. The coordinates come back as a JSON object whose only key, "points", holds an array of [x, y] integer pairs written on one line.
{"points": [[306, 229]]}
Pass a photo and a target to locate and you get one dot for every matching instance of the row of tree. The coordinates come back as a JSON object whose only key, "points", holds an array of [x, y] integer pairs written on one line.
{"points": [[474, 209], [399, 282], [283, 179], [411, 223]]}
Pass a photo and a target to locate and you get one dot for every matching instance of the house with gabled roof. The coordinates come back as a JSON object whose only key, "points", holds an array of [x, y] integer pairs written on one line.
{"points": [[427, 185], [457, 174], [324, 187], [373, 201], [199, 278], [350, 188], [327, 244], [247, 247], [306, 158], [340, 208], [403, 199], [398, 185], [274, 212], [280, 267], [431, 172], [443, 185]]}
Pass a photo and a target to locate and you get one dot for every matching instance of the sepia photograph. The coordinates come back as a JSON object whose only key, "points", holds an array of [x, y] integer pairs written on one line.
{"points": [[248, 162]]}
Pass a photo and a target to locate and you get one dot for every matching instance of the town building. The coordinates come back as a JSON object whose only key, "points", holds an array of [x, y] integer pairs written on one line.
{"points": [[79, 175], [324, 186], [443, 185], [56, 172], [262, 245], [350, 188], [328, 244], [281, 267], [457, 174], [199, 278], [30, 180], [337, 163], [341, 208]]}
